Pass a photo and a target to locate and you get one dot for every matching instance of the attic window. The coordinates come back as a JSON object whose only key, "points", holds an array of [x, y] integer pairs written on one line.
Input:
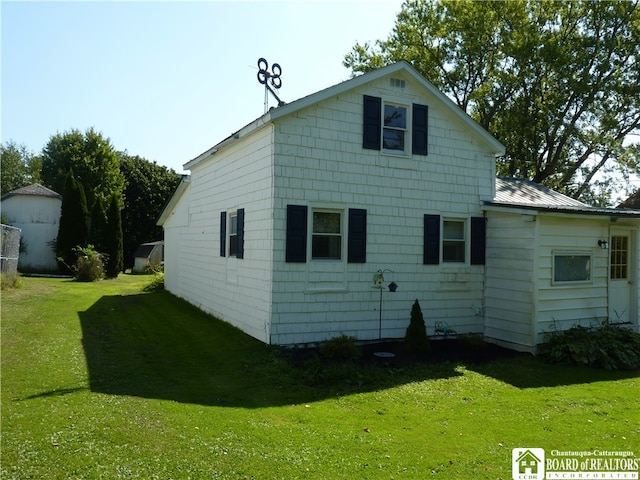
{"points": [[400, 129], [397, 83]]}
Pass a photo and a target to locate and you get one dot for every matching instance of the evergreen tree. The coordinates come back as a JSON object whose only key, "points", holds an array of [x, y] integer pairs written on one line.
{"points": [[98, 230], [113, 239], [72, 231], [416, 340]]}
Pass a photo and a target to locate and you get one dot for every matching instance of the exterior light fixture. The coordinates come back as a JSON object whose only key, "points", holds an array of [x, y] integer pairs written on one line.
{"points": [[603, 244], [393, 286]]}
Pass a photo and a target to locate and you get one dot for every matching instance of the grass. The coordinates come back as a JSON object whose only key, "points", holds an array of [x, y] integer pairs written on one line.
{"points": [[102, 381]]}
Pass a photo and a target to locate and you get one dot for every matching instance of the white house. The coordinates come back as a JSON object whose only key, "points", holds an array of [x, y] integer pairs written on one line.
{"points": [[36, 211], [281, 227]]}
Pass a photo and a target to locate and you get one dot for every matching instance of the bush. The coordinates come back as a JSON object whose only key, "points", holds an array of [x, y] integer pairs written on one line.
{"points": [[416, 340], [609, 346], [340, 349], [157, 284], [89, 265]]}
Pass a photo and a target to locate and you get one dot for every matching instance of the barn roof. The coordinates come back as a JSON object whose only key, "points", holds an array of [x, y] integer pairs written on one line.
{"points": [[35, 189]]}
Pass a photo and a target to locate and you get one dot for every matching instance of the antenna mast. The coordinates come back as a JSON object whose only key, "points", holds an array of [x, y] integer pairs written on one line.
{"points": [[266, 77]]}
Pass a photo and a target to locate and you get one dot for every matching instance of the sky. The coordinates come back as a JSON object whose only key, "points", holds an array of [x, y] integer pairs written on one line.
{"points": [[168, 80]]}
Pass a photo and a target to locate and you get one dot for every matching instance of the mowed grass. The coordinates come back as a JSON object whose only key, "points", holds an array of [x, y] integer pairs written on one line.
{"points": [[102, 381]]}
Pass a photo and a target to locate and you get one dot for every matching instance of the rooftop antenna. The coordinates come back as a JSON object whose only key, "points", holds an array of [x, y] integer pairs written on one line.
{"points": [[266, 77]]}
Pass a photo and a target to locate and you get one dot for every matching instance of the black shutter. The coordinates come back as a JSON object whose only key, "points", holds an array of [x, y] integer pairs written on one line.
{"points": [[478, 240], [223, 233], [357, 243], [420, 137], [240, 235], [372, 128], [431, 239], [296, 248]]}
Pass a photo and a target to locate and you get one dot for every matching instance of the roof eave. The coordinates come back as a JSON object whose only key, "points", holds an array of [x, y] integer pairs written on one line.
{"points": [[173, 201]]}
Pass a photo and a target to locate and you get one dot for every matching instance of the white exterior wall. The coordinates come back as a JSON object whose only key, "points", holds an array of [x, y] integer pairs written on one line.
{"points": [[561, 306], [39, 218], [320, 162], [522, 301], [510, 295], [235, 290], [175, 227]]}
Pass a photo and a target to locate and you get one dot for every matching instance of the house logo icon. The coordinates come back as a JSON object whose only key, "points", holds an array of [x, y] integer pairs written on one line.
{"points": [[528, 463]]}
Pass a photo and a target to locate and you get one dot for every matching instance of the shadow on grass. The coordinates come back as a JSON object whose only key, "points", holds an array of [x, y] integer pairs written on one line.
{"points": [[155, 345], [525, 371]]}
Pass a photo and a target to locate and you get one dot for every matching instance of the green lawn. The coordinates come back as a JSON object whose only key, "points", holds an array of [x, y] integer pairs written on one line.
{"points": [[103, 381]]}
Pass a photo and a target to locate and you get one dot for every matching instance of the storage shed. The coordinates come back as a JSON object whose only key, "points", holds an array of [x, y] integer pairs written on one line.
{"points": [[36, 211]]}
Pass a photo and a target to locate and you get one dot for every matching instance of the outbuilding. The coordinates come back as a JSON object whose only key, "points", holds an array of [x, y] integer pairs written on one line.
{"points": [[35, 210]]}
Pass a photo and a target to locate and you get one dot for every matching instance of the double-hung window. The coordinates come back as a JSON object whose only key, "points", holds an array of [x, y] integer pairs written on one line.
{"points": [[326, 242], [454, 240], [330, 231], [394, 130], [235, 229], [454, 243], [233, 234]]}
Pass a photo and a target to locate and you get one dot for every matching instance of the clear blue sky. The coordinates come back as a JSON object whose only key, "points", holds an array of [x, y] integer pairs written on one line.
{"points": [[168, 80]]}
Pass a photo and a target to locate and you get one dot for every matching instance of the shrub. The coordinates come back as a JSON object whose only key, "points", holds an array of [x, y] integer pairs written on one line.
{"points": [[416, 340], [89, 264], [609, 346], [157, 284], [340, 349]]}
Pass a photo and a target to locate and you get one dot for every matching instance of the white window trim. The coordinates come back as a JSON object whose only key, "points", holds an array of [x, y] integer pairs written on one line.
{"points": [[233, 215], [343, 233], [407, 130], [467, 235], [567, 253]]}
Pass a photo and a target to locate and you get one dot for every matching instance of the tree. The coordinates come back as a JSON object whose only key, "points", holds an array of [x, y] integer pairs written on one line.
{"points": [[98, 230], [149, 187], [416, 339], [18, 167], [72, 230], [113, 238], [93, 159], [555, 82]]}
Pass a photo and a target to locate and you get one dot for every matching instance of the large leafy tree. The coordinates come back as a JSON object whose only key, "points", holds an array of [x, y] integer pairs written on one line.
{"points": [[555, 82], [18, 167], [93, 159], [148, 189]]}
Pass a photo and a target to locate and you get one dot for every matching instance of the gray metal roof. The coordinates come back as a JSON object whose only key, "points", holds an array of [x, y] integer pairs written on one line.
{"points": [[35, 189], [522, 193], [525, 192]]}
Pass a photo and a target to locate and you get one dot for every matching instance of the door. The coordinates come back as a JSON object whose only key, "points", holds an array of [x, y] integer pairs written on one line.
{"points": [[621, 276]]}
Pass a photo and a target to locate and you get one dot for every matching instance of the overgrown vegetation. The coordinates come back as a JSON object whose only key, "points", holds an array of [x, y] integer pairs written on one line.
{"points": [[340, 349], [89, 264], [607, 346]]}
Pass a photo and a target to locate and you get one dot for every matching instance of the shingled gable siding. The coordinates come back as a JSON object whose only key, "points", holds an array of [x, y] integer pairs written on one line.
{"points": [[320, 162]]}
